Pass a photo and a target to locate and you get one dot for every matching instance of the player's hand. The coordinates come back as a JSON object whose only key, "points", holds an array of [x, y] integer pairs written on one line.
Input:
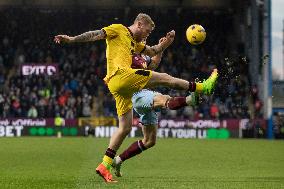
{"points": [[162, 39], [171, 34], [169, 38], [63, 39]]}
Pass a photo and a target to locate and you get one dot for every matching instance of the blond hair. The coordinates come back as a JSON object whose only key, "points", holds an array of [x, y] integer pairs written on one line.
{"points": [[145, 18]]}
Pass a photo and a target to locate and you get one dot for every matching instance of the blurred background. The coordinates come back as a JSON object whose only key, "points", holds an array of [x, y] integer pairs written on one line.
{"points": [[247, 101]]}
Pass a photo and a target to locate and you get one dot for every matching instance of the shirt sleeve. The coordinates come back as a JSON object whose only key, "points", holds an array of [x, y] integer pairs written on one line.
{"points": [[112, 30]]}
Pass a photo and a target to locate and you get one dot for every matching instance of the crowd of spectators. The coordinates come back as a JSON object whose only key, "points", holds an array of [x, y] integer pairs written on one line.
{"points": [[278, 125], [79, 91]]}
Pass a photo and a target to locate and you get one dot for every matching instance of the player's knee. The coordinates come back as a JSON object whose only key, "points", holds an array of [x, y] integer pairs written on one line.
{"points": [[159, 100], [167, 96]]}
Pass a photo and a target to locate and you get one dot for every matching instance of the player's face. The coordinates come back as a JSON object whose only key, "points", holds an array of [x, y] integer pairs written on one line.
{"points": [[144, 31]]}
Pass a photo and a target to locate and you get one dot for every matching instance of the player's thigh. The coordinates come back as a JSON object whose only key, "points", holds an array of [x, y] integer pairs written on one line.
{"points": [[125, 120], [159, 79], [123, 103]]}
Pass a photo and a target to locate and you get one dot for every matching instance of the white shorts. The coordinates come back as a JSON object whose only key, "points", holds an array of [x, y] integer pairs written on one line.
{"points": [[143, 104]]}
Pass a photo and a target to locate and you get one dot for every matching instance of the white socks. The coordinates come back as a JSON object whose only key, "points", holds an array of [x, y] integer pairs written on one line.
{"points": [[117, 160]]}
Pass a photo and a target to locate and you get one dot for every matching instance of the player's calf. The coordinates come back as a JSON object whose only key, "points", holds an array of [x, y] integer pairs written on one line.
{"points": [[149, 143]]}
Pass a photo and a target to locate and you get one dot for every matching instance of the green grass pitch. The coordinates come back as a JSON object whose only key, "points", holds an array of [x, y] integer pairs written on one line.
{"points": [[173, 163]]}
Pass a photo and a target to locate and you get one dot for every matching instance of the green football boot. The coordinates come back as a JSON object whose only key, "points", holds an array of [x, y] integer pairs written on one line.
{"points": [[210, 83]]}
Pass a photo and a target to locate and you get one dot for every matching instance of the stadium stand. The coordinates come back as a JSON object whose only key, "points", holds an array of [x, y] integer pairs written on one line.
{"points": [[79, 91]]}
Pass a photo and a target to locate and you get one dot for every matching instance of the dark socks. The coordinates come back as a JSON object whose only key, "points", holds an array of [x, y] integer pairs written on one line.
{"points": [[191, 86], [133, 150], [175, 103]]}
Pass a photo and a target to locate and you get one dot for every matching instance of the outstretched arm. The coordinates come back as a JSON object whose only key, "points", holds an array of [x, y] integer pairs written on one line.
{"points": [[156, 49], [84, 37], [155, 60]]}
